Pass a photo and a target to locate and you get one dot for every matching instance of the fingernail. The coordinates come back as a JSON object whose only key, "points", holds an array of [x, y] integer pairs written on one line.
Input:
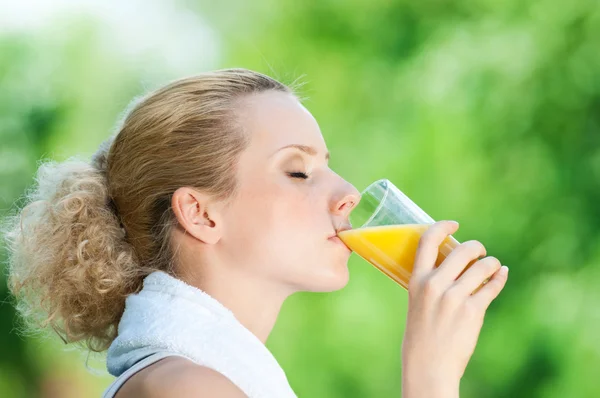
{"points": [[504, 269], [454, 223]]}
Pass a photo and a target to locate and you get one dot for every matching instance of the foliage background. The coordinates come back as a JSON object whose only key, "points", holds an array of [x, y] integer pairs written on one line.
{"points": [[486, 112]]}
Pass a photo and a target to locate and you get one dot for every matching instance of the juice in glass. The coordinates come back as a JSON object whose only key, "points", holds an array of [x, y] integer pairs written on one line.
{"points": [[392, 248]]}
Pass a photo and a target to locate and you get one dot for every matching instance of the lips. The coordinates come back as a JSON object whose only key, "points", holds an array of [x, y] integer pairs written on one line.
{"points": [[344, 227], [335, 239]]}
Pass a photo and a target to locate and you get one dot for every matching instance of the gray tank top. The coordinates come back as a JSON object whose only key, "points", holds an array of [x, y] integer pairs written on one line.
{"points": [[112, 389]]}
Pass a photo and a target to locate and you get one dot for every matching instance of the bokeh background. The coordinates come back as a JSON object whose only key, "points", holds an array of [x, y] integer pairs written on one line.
{"points": [[482, 111]]}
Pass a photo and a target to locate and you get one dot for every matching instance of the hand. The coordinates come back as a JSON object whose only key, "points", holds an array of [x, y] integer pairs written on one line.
{"points": [[444, 317]]}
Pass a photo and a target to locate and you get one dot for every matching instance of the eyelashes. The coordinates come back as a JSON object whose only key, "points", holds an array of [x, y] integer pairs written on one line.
{"points": [[298, 174]]}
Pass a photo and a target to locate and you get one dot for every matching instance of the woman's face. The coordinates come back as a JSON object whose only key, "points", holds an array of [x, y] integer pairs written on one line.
{"points": [[289, 201]]}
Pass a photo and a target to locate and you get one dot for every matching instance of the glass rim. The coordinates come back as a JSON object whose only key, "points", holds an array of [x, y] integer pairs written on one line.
{"points": [[380, 204]]}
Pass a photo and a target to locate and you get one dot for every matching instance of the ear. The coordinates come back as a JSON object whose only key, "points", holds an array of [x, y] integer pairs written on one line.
{"points": [[198, 214]]}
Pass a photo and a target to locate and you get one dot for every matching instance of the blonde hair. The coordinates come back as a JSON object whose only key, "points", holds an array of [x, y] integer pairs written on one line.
{"points": [[91, 231]]}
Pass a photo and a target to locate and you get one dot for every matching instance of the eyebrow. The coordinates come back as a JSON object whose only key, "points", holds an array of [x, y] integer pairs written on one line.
{"points": [[303, 148]]}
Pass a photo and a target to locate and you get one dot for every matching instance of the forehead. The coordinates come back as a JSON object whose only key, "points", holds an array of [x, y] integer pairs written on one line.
{"points": [[275, 119]]}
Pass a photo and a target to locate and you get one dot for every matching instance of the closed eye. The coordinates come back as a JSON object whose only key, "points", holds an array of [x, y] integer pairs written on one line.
{"points": [[298, 174]]}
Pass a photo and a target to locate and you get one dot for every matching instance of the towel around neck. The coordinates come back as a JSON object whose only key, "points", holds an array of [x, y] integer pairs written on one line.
{"points": [[168, 315]]}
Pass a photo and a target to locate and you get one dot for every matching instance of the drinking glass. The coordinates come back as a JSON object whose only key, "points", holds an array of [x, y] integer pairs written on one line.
{"points": [[387, 227]]}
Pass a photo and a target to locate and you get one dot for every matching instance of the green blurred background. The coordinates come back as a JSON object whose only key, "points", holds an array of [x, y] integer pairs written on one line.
{"points": [[482, 111]]}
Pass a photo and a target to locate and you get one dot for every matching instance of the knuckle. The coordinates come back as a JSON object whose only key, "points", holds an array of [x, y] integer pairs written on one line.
{"points": [[492, 264], [432, 288], [413, 293], [474, 246], [433, 235], [413, 286]]}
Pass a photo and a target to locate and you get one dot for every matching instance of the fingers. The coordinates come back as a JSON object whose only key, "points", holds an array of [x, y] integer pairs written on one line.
{"points": [[429, 245], [457, 260], [484, 297], [475, 276]]}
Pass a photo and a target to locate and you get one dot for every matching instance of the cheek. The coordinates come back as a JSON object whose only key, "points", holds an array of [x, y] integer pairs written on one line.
{"points": [[298, 215], [253, 218], [277, 224]]}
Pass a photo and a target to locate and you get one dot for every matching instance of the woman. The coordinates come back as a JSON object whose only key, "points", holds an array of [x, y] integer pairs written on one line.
{"points": [[176, 246]]}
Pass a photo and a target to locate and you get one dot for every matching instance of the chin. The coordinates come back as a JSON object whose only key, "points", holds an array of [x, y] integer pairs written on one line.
{"points": [[336, 279]]}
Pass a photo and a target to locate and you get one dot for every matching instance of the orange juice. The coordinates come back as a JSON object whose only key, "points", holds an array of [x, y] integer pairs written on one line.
{"points": [[392, 248]]}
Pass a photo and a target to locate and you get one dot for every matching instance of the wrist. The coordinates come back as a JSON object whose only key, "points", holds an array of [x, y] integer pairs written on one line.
{"points": [[429, 386]]}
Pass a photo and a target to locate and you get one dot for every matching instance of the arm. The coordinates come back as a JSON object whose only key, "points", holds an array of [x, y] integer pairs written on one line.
{"points": [[179, 377], [198, 382]]}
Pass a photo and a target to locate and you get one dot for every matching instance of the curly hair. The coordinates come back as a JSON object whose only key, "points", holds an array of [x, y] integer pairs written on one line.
{"points": [[92, 230]]}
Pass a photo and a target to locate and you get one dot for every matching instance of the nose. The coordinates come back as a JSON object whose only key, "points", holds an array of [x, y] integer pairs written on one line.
{"points": [[345, 200]]}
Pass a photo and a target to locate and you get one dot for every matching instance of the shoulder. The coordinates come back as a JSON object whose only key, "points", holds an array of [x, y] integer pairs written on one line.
{"points": [[178, 377]]}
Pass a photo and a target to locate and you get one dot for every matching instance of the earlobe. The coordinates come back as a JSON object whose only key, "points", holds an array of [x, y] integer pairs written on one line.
{"points": [[197, 214]]}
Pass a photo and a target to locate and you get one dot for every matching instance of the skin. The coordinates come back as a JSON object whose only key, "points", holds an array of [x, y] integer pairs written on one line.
{"points": [[273, 239]]}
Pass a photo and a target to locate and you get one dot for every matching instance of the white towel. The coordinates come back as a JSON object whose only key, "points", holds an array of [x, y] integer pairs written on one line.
{"points": [[170, 315]]}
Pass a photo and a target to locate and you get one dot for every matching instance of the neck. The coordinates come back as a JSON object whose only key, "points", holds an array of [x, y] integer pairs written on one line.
{"points": [[254, 303]]}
